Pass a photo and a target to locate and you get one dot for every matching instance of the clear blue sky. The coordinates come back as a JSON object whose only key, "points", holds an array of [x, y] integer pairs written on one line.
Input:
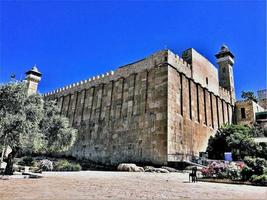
{"points": [[70, 41]]}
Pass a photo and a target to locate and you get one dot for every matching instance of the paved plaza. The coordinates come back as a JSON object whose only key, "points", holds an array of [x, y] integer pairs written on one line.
{"points": [[122, 185]]}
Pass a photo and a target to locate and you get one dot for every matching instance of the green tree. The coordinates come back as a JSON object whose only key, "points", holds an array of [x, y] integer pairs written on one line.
{"points": [[58, 135], [249, 96], [233, 138], [28, 123]]}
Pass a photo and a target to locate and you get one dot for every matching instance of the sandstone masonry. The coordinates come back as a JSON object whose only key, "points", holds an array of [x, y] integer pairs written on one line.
{"points": [[157, 110]]}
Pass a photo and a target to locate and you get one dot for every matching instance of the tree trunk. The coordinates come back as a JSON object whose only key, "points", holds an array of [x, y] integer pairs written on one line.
{"points": [[10, 162]]}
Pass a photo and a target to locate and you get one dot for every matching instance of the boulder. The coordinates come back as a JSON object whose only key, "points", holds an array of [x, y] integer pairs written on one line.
{"points": [[140, 169], [46, 165], [149, 169], [160, 170], [191, 166], [170, 169], [154, 169], [129, 167]]}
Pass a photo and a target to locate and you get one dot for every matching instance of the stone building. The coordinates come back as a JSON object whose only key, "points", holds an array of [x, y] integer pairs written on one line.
{"points": [[160, 109], [246, 111]]}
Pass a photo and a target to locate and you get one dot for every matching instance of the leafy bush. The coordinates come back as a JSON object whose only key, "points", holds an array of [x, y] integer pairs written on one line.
{"points": [[237, 139], [220, 169], [27, 161], [213, 169], [252, 169], [64, 165], [207, 172], [255, 171], [263, 152], [258, 165], [222, 175], [246, 173], [233, 174], [262, 179]]}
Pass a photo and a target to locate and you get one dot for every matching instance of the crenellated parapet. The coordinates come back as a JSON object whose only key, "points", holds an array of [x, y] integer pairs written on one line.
{"points": [[180, 64], [81, 84], [155, 60]]}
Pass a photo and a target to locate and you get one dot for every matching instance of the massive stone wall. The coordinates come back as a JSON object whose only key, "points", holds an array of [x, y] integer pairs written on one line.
{"points": [[194, 114], [149, 111], [121, 117]]}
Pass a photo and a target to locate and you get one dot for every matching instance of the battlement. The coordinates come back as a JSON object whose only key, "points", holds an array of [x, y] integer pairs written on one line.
{"points": [[81, 83], [156, 59], [179, 63]]}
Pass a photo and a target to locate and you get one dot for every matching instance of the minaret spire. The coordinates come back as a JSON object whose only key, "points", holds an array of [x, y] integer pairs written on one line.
{"points": [[33, 78], [225, 60]]}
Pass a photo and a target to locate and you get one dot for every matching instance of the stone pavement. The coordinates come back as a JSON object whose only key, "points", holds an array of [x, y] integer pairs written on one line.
{"points": [[122, 185]]}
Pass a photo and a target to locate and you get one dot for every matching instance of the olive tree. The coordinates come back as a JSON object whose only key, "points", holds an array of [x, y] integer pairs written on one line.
{"points": [[58, 135], [30, 124]]}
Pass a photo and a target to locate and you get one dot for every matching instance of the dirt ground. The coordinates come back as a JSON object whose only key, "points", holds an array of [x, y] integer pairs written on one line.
{"points": [[122, 185]]}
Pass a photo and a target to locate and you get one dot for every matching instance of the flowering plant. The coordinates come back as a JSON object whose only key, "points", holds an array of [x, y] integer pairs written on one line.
{"points": [[221, 169]]}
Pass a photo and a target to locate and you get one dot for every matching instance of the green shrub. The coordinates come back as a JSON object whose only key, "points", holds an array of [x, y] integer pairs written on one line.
{"points": [[27, 161], [233, 174], [256, 169], [222, 175], [246, 173], [64, 165], [258, 165], [262, 179], [239, 140]]}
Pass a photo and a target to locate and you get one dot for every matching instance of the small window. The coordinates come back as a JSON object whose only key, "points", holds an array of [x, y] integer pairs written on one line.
{"points": [[207, 80], [223, 70], [243, 113]]}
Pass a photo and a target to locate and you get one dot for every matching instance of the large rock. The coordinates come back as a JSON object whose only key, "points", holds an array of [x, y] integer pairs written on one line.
{"points": [[170, 169], [149, 169], [160, 170], [192, 166], [129, 167], [154, 169], [46, 165]]}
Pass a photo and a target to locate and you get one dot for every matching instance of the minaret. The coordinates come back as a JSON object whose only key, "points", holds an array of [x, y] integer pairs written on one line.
{"points": [[33, 77], [225, 60]]}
